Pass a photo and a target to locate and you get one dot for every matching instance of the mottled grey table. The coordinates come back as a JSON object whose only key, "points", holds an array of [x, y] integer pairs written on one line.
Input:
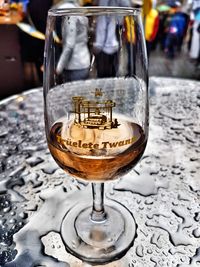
{"points": [[163, 192]]}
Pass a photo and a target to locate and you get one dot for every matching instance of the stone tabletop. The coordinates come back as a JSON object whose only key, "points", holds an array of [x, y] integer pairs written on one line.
{"points": [[163, 192]]}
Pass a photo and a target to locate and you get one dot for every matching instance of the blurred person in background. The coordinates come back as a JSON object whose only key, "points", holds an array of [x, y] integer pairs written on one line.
{"points": [[32, 48], [74, 62], [194, 48], [129, 37], [151, 28], [151, 23], [176, 31], [106, 44], [161, 34]]}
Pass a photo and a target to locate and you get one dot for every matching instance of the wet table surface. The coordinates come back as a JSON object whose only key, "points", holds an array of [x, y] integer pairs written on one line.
{"points": [[163, 192]]}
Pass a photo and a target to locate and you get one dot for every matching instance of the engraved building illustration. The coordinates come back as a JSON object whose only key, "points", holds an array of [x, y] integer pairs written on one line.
{"points": [[94, 114]]}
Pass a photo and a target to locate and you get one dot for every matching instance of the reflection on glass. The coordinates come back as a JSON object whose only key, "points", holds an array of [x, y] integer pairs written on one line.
{"points": [[74, 61]]}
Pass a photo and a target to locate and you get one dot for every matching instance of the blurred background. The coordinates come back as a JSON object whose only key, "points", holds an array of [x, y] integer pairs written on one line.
{"points": [[172, 32]]}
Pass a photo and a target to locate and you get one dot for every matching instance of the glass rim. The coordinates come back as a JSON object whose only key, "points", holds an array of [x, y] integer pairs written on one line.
{"points": [[94, 11]]}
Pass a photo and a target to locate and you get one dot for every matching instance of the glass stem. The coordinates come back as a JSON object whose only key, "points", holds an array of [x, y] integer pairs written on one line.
{"points": [[98, 212]]}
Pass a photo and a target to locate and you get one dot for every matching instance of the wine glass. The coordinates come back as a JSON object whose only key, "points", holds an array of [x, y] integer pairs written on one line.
{"points": [[96, 118]]}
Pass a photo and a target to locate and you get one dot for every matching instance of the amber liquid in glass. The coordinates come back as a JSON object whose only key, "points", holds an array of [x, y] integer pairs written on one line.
{"points": [[95, 154]]}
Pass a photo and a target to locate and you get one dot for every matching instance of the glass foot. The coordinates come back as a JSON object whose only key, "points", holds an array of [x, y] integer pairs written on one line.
{"points": [[98, 241]]}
